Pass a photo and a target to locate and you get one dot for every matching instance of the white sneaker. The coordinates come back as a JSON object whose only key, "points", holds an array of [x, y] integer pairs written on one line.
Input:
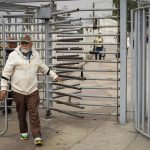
{"points": [[38, 141]]}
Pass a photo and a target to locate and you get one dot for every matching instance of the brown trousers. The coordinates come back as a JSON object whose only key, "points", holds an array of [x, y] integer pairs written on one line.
{"points": [[28, 103]]}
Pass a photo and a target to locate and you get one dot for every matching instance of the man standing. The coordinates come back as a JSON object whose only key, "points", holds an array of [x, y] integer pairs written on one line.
{"points": [[11, 45], [22, 65]]}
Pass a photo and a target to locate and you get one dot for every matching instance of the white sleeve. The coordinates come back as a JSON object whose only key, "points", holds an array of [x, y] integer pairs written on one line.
{"points": [[45, 70], [7, 72]]}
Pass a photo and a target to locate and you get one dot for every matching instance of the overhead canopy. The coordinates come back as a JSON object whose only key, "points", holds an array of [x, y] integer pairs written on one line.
{"points": [[14, 7], [29, 1], [21, 1]]}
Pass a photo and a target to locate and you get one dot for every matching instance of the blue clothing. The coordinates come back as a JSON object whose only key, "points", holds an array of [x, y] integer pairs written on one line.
{"points": [[98, 49]]}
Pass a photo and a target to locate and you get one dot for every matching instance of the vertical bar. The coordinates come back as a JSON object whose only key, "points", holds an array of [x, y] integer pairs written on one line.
{"points": [[9, 27], [132, 63], [50, 61], [135, 69], [139, 79], [118, 56], [47, 55], [16, 29], [93, 14], [148, 75], [123, 65], [52, 7], [38, 36], [143, 70], [3, 38]]}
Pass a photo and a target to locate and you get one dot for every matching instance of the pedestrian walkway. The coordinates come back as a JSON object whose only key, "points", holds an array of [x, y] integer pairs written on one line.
{"points": [[63, 132]]}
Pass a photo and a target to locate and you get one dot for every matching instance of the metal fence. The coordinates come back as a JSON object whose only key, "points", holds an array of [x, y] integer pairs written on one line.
{"points": [[73, 46], [140, 36], [66, 46]]}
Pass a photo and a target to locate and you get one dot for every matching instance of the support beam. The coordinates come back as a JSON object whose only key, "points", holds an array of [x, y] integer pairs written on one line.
{"points": [[123, 64], [13, 7], [29, 1], [26, 1]]}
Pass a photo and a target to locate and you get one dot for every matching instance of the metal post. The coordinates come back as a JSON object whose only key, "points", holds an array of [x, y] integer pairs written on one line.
{"points": [[47, 62], [148, 77], [123, 65], [143, 68], [139, 70], [93, 14], [48, 54], [135, 68]]}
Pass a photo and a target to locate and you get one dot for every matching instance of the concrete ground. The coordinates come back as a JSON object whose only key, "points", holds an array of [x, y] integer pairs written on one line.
{"points": [[64, 132]]}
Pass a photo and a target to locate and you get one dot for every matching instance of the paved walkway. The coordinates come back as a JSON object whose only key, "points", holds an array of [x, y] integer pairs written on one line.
{"points": [[64, 132]]}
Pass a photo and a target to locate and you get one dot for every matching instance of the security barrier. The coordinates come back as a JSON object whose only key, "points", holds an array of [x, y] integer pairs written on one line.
{"points": [[140, 69], [67, 46]]}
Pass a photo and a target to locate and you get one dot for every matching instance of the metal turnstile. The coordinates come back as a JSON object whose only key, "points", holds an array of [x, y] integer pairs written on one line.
{"points": [[65, 43]]}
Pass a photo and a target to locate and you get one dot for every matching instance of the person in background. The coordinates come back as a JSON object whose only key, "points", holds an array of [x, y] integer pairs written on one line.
{"points": [[128, 44], [11, 45], [22, 66], [98, 48]]}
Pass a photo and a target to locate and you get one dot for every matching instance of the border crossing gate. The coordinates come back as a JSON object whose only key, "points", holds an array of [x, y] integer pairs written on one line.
{"points": [[66, 44]]}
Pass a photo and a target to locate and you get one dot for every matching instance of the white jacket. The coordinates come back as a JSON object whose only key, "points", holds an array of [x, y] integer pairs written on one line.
{"points": [[23, 72]]}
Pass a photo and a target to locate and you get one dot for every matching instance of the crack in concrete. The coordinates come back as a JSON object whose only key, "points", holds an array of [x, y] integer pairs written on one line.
{"points": [[126, 148]]}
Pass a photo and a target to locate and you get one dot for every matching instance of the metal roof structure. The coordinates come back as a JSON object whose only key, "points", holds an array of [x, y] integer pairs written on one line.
{"points": [[20, 5], [29, 1], [21, 1], [14, 7]]}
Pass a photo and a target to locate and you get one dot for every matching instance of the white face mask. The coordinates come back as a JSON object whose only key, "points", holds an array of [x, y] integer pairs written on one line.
{"points": [[25, 50]]}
